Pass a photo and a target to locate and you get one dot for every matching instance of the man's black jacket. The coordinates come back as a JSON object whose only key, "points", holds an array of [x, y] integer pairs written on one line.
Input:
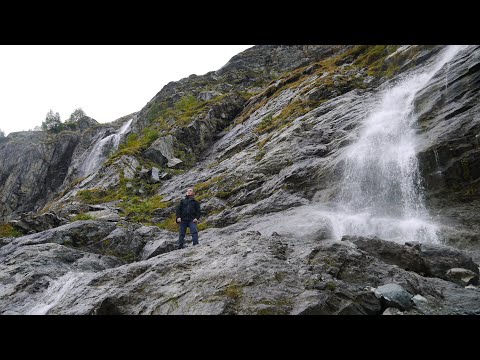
{"points": [[188, 209]]}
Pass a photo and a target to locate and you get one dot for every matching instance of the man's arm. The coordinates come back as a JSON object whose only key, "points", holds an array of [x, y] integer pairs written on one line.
{"points": [[178, 210], [198, 213]]}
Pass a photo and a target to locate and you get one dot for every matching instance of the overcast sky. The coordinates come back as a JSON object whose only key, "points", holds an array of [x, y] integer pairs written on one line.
{"points": [[106, 81]]}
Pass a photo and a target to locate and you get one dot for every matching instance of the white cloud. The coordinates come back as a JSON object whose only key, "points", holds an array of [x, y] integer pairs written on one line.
{"points": [[106, 81]]}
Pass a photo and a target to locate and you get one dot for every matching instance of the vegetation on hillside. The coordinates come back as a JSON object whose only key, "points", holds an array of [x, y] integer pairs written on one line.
{"points": [[312, 85]]}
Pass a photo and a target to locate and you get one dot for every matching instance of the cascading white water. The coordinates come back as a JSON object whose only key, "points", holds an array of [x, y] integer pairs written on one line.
{"points": [[54, 293], [381, 193], [100, 150]]}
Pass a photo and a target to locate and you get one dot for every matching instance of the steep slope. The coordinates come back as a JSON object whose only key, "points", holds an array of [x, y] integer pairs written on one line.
{"points": [[448, 118], [285, 147]]}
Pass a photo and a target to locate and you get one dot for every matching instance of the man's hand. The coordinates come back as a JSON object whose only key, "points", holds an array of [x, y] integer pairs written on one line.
{"points": [[179, 220], [195, 220]]}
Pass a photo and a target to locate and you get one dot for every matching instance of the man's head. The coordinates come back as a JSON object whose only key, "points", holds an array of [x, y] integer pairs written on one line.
{"points": [[190, 192]]}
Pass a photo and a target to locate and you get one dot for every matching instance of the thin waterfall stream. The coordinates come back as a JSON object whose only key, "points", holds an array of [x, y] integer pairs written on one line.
{"points": [[99, 151]]}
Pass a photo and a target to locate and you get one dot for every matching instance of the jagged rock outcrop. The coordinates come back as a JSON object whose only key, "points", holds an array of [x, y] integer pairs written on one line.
{"points": [[249, 69], [449, 156], [32, 223], [162, 152], [201, 133], [394, 296], [33, 165], [431, 260]]}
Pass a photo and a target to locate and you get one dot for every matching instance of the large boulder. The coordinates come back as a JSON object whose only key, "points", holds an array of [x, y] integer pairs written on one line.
{"points": [[31, 223], [433, 260], [393, 295], [462, 277], [162, 152], [79, 234]]}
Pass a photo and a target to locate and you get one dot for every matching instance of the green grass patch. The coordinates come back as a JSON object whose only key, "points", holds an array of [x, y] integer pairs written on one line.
{"points": [[140, 209], [260, 155], [245, 114], [277, 306], [204, 190], [229, 187], [267, 122], [164, 116], [136, 207], [373, 59], [229, 192], [181, 152], [209, 183], [134, 144], [202, 225], [129, 257], [233, 291], [82, 216], [279, 276], [169, 223], [285, 119], [263, 142], [96, 196], [331, 286], [7, 230]]}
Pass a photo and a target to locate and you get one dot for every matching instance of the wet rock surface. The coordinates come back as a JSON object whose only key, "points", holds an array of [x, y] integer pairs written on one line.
{"points": [[240, 273]]}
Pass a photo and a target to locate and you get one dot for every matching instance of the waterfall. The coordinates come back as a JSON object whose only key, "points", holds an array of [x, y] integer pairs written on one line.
{"points": [[101, 149], [381, 191], [54, 293]]}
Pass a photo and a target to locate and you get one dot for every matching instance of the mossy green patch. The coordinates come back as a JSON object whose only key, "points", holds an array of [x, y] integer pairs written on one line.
{"points": [[373, 58], [331, 286], [260, 155], [128, 257], [203, 225], [169, 224], [181, 152], [163, 116], [279, 276], [272, 311], [134, 145], [137, 207], [280, 306], [233, 291], [204, 190], [7, 230], [140, 209], [228, 187], [82, 216]]}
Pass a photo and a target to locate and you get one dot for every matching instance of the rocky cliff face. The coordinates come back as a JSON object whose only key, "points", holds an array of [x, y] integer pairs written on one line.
{"points": [[266, 140], [32, 166], [35, 167], [449, 121]]}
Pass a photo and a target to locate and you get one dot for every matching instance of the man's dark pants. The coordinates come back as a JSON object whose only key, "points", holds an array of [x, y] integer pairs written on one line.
{"points": [[183, 230]]}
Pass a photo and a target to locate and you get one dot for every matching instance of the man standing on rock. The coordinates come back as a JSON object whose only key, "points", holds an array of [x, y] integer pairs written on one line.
{"points": [[188, 214]]}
